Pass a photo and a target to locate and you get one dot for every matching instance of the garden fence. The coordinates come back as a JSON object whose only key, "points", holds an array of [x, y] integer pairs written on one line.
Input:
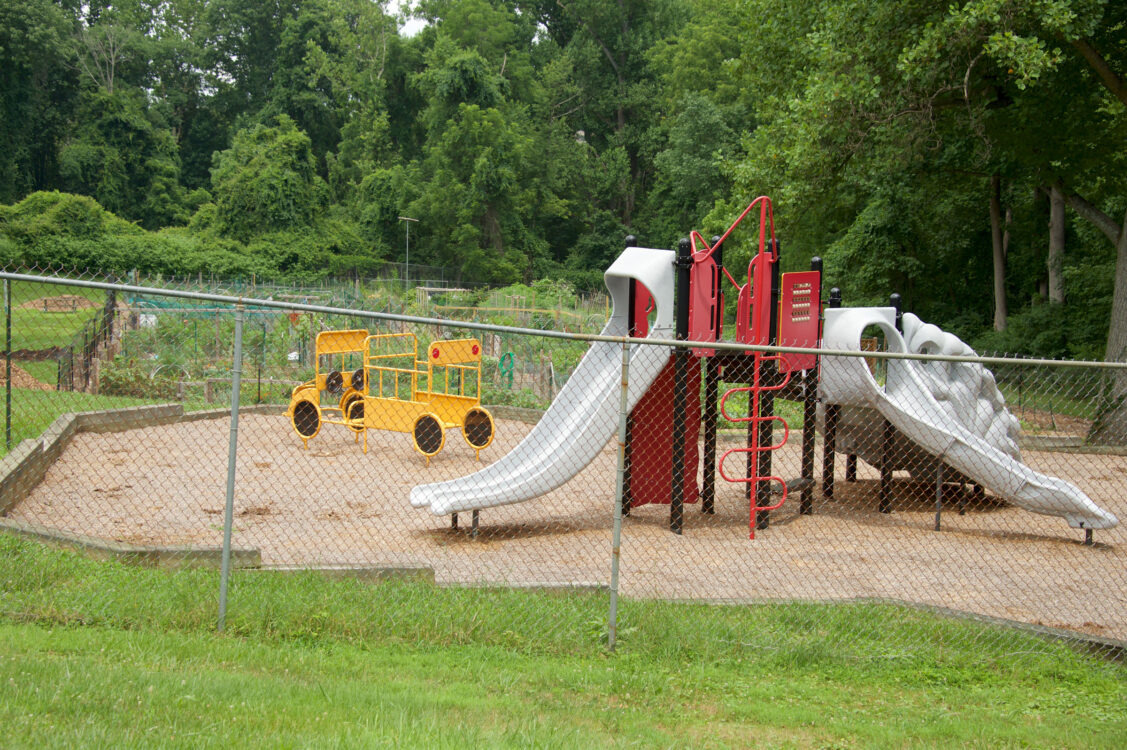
{"points": [[265, 437]]}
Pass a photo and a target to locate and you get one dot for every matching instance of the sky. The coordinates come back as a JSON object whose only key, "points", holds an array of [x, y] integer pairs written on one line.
{"points": [[413, 25]]}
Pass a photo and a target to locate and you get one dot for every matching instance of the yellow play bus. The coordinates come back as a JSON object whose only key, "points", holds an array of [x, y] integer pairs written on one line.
{"points": [[393, 389]]}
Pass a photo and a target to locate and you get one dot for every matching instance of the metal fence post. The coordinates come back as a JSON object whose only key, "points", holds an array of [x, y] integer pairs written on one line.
{"points": [[8, 364], [232, 450], [616, 541]]}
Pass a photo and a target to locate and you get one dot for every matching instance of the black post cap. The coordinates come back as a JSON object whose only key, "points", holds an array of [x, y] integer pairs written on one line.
{"points": [[835, 297], [816, 264], [895, 300], [631, 240]]}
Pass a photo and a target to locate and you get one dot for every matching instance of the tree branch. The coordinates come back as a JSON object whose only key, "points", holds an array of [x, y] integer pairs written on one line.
{"points": [[606, 52], [1103, 222], [1108, 77]]}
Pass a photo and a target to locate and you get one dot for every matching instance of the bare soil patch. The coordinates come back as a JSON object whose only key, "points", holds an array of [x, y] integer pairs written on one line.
{"points": [[333, 504], [60, 303], [22, 379]]}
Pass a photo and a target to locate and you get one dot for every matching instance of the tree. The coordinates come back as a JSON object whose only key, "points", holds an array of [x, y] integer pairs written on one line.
{"points": [[125, 157], [475, 194], [607, 44], [1025, 41], [266, 181], [37, 93]]}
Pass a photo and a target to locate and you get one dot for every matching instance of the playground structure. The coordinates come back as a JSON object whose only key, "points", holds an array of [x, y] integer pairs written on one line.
{"points": [[952, 411], [394, 390]]}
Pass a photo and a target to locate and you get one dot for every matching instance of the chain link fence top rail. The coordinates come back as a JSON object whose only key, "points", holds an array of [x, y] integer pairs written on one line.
{"points": [[479, 455]]}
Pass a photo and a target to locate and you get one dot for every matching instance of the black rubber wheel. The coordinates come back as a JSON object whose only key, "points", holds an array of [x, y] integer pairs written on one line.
{"points": [[358, 379], [334, 382], [306, 419], [354, 412], [478, 428], [428, 435]]}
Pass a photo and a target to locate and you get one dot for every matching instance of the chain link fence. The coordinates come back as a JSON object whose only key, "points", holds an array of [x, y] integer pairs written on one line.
{"points": [[470, 455]]}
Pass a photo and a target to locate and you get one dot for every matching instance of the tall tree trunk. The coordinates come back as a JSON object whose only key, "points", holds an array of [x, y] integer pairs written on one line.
{"points": [[1110, 427], [1055, 264], [1116, 350], [999, 252]]}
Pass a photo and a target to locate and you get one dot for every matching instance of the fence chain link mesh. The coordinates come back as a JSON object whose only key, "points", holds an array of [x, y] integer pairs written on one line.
{"points": [[481, 455]]}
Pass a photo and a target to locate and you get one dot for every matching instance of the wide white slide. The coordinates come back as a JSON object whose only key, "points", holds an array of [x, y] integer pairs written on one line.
{"points": [[954, 410], [584, 415]]}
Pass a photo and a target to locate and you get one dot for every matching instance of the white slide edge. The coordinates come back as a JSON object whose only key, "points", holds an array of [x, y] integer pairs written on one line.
{"points": [[584, 415], [908, 403]]}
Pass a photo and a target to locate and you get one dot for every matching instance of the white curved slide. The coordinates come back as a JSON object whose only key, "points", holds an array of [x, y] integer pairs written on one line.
{"points": [[954, 411], [584, 415]]}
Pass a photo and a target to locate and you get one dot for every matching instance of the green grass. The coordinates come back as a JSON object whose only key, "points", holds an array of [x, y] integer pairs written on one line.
{"points": [[1055, 401], [32, 328], [45, 371], [109, 655], [34, 411]]}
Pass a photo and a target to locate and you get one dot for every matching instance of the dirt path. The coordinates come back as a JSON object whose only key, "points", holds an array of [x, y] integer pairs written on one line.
{"points": [[21, 378]]}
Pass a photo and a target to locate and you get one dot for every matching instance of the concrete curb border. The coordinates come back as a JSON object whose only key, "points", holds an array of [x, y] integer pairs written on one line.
{"points": [[157, 557]]}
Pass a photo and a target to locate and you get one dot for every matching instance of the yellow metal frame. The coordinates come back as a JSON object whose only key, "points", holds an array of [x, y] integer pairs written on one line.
{"points": [[391, 365]]}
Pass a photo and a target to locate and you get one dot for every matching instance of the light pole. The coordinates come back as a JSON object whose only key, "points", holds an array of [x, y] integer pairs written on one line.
{"points": [[407, 259]]}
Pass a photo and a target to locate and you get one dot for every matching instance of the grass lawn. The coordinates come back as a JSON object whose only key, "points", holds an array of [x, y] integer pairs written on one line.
{"points": [[33, 411], [33, 328], [110, 655], [45, 370]]}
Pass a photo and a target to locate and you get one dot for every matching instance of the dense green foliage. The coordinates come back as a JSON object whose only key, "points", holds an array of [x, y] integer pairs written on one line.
{"points": [[529, 137]]}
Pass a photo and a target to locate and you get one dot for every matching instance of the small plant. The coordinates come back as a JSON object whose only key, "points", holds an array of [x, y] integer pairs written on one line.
{"points": [[132, 378]]}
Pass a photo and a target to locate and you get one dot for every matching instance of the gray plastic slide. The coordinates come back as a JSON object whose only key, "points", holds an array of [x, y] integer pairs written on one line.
{"points": [[584, 415], [953, 410]]}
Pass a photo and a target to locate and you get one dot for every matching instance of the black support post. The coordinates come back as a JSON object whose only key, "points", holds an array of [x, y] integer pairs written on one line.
{"points": [[683, 264], [884, 495], [809, 416], [766, 438], [711, 393], [829, 448], [939, 496], [851, 467], [829, 439], [810, 413]]}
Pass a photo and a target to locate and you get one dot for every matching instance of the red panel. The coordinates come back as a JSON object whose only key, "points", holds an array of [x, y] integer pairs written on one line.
{"points": [[753, 314], [798, 317], [706, 303], [651, 460], [643, 306]]}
